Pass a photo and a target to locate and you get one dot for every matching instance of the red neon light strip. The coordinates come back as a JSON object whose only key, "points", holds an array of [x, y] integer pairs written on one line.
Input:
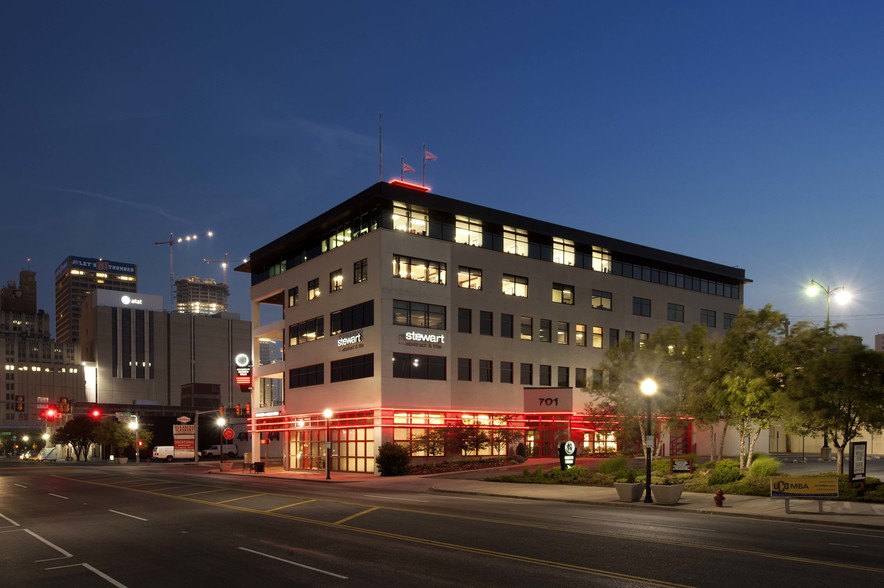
{"points": [[409, 185]]}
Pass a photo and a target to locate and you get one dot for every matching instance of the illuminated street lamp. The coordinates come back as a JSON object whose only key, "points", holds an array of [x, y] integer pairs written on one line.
{"points": [[648, 387], [839, 293], [327, 413], [133, 424]]}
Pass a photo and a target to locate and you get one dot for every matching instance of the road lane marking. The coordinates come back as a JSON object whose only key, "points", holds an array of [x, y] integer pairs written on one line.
{"points": [[191, 494], [49, 543], [843, 545], [92, 569], [241, 497], [59, 496], [20, 485], [10, 520], [358, 514], [646, 524], [290, 505], [306, 567], [126, 515], [394, 498], [867, 535]]}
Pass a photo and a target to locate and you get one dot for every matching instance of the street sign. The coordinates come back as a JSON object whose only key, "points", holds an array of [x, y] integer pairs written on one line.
{"points": [[228, 434], [183, 420]]}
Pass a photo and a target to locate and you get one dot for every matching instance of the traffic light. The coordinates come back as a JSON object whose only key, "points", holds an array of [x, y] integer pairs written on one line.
{"points": [[238, 409], [140, 443], [50, 413], [19, 403], [248, 410], [64, 405], [221, 410], [95, 413]]}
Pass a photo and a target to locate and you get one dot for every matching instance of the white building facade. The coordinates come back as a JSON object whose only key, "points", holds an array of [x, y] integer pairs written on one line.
{"points": [[403, 311]]}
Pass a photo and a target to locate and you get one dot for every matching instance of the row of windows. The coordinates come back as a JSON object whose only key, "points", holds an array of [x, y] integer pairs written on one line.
{"points": [[342, 370], [335, 283], [485, 373]]}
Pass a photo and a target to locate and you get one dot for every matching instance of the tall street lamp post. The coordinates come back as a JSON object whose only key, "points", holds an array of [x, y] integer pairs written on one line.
{"points": [[327, 413], [648, 387], [133, 424], [839, 293]]}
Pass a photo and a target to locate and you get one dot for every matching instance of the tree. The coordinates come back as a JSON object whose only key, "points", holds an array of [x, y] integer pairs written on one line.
{"points": [[749, 374], [432, 442], [835, 386], [120, 437], [505, 436], [79, 433]]}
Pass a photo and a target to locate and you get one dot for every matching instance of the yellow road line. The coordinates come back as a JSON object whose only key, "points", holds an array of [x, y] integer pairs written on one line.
{"points": [[183, 495], [289, 505], [240, 498], [358, 514]]}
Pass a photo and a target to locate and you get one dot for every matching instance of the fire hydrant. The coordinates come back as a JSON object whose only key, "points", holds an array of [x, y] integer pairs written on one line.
{"points": [[719, 498]]}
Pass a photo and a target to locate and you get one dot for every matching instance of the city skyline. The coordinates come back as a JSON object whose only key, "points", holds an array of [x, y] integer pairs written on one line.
{"points": [[745, 135]]}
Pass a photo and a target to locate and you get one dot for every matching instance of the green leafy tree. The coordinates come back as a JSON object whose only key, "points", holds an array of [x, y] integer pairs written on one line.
{"points": [[120, 437], [79, 433], [505, 437], [432, 442], [835, 387]]}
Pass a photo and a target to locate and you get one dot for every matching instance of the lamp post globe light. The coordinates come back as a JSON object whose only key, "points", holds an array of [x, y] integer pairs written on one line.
{"points": [[133, 424], [839, 293], [648, 387], [327, 413]]}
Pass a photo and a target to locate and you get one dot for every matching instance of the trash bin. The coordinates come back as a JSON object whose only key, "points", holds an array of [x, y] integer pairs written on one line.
{"points": [[259, 467], [246, 460]]}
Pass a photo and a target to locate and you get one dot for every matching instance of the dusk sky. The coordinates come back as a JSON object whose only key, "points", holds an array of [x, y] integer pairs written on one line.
{"points": [[745, 133]]}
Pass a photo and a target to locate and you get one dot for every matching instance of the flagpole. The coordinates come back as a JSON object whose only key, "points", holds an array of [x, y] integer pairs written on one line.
{"points": [[380, 146], [424, 168], [402, 169]]}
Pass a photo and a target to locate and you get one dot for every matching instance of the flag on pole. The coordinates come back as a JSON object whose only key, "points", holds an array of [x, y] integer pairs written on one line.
{"points": [[429, 156], [406, 168]]}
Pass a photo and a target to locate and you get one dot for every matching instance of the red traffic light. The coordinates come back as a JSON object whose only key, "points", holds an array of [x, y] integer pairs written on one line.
{"points": [[95, 413], [50, 413]]}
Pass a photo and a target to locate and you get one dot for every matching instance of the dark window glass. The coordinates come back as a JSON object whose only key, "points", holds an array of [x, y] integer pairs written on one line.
{"points": [[486, 322], [464, 320], [506, 326], [506, 372]]}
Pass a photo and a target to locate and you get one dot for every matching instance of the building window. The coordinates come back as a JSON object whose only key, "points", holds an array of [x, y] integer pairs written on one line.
{"points": [[293, 296], [419, 270], [353, 368], [309, 330], [545, 329], [613, 338], [629, 336], [580, 377], [486, 371], [464, 369], [641, 306], [464, 320], [675, 312], [506, 372], [643, 339], [506, 326], [313, 289], [601, 259], [563, 376], [410, 218], [598, 377], [486, 322], [336, 280], [546, 375], [310, 375], [597, 338], [418, 314], [729, 320], [352, 318], [526, 374], [563, 251], [468, 231], [360, 271], [515, 286], [419, 367], [602, 300], [527, 330], [707, 317], [469, 277], [515, 241], [562, 293], [562, 333], [580, 335]]}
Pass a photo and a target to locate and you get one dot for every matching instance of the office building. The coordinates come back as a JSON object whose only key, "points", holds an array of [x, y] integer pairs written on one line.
{"points": [[404, 311], [200, 296], [75, 278]]}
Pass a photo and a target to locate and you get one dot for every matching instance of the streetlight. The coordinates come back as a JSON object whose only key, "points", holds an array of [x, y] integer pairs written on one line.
{"points": [[648, 387], [133, 424], [839, 293], [327, 413], [221, 422]]}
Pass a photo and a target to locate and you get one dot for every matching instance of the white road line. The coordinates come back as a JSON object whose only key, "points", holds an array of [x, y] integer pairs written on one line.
{"points": [[126, 515], [647, 524], [393, 498], [843, 545], [870, 535], [20, 485], [10, 520], [516, 499], [49, 543], [59, 496], [94, 571], [267, 555]]}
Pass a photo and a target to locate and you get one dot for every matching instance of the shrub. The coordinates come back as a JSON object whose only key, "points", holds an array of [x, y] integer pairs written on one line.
{"points": [[764, 466], [393, 460], [521, 450], [613, 465], [725, 472]]}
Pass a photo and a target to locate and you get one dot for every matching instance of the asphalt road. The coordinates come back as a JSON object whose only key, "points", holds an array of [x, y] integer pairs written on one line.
{"points": [[70, 525]]}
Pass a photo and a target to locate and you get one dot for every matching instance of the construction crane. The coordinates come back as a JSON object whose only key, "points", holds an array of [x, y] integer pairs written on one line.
{"points": [[223, 263], [173, 240]]}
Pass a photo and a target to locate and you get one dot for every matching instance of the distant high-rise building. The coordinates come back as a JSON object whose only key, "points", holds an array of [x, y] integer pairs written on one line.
{"points": [[75, 278], [200, 296]]}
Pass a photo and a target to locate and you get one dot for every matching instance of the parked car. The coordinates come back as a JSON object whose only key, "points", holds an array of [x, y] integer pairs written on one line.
{"points": [[228, 449]]}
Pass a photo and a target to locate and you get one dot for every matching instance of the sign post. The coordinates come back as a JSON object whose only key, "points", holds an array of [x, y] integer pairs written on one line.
{"points": [[858, 461], [567, 454]]}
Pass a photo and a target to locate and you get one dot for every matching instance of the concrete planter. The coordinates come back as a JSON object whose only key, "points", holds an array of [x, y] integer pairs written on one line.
{"points": [[226, 466], [666, 493], [629, 491]]}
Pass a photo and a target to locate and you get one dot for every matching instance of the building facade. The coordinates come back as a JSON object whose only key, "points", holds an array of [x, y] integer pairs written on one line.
{"points": [[404, 311], [134, 352], [200, 296], [75, 278]]}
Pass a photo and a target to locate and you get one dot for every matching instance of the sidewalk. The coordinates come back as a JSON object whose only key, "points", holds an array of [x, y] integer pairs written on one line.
{"points": [[853, 514]]}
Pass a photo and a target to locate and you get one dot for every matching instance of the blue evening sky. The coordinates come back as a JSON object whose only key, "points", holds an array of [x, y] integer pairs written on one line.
{"points": [[745, 133]]}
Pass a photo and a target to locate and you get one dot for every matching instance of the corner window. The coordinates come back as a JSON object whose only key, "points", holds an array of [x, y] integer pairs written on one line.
{"points": [[562, 293], [410, 218]]}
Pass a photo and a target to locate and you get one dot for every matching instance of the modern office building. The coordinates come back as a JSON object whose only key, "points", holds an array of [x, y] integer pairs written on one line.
{"points": [[200, 296], [38, 370], [403, 311], [75, 278], [136, 353]]}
